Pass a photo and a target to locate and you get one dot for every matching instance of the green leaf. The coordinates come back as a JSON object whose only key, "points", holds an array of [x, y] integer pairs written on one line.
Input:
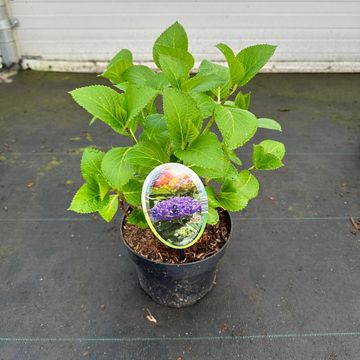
{"points": [[213, 216], [155, 129], [205, 104], [205, 151], [91, 164], [123, 54], [174, 37], [117, 66], [230, 103], [230, 198], [242, 101], [225, 171], [142, 75], [104, 187], [233, 156], [137, 218], [268, 155], [182, 117], [212, 197], [87, 200], [139, 75], [123, 85], [116, 167], [208, 68], [132, 192], [269, 124], [253, 59], [201, 83], [248, 186], [264, 161], [236, 68], [174, 70], [147, 155], [182, 55], [274, 147], [160, 81], [137, 98], [103, 103], [237, 126], [108, 212]]}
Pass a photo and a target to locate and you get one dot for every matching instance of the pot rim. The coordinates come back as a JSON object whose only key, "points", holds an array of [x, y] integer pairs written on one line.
{"points": [[181, 264]]}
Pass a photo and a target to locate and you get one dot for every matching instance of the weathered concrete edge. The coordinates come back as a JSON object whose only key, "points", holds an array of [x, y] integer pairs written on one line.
{"points": [[272, 67]]}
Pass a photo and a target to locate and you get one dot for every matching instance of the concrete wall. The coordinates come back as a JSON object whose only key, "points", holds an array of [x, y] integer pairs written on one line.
{"points": [[87, 30]]}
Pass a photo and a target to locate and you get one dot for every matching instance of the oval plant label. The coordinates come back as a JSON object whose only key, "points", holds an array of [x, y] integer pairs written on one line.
{"points": [[175, 205]]}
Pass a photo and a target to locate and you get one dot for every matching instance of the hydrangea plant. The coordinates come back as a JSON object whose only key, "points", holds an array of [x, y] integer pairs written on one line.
{"points": [[182, 129]]}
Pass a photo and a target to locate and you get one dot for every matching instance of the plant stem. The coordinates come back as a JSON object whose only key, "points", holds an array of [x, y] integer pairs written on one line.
{"points": [[133, 138], [251, 168], [122, 203], [209, 124]]}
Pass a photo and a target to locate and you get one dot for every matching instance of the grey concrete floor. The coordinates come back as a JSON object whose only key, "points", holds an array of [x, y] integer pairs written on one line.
{"points": [[288, 286]]}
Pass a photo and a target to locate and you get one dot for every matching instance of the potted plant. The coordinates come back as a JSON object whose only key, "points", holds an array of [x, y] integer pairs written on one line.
{"points": [[174, 117]]}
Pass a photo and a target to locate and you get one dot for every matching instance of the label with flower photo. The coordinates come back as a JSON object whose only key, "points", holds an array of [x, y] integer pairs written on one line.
{"points": [[175, 205]]}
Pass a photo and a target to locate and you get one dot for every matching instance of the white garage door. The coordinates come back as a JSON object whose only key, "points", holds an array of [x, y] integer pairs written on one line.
{"points": [[84, 30]]}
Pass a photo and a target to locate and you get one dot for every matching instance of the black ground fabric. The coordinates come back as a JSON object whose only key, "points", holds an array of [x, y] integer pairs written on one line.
{"points": [[288, 286]]}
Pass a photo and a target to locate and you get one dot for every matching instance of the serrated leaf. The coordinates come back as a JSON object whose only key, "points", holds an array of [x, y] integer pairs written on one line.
{"points": [[208, 68], [132, 192], [137, 98], [248, 185], [139, 75], [155, 129], [174, 37], [182, 117], [182, 55], [237, 126], [104, 187], [205, 151], [108, 212], [103, 103], [233, 156], [123, 86], [116, 168], [253, 59], [142, 75], [174, 70], [213, 216], [242, 101], [123, 54], [236, 68], [230, 103], [117, 66], [225, 171], [230, 198], [269, 124], [91, 164], [87, 200], [147, 155], [205, 104], [137, 218], [274, 147], [210, 192], [160, 81], [115, 72], [200, 83], [268, 155]]}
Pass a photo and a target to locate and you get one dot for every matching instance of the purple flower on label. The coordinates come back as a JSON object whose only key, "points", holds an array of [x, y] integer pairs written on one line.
{"points": [[175, 208]]}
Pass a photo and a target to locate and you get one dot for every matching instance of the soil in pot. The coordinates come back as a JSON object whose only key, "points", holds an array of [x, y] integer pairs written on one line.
{"points": [[146, 244]]}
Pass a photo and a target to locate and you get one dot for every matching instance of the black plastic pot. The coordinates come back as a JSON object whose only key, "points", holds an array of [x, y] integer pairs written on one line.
{"points": [[177, 285]]}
